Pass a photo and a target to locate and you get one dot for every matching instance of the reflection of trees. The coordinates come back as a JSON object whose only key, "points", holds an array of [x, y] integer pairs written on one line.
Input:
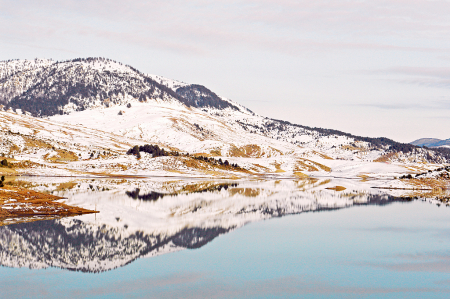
{"points": [[153, 196]]}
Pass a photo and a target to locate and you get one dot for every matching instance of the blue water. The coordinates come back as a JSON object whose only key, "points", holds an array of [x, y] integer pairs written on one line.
{"points": [[401, 250]]}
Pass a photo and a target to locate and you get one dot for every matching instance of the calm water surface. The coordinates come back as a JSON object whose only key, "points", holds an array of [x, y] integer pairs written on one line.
{"points": [[381, 248]]}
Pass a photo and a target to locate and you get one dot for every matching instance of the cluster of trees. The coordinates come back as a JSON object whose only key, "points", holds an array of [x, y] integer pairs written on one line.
{"points": [[1, 181], [156, 151], [216, 162], [442, 151], [199, 96], [4, 163]]}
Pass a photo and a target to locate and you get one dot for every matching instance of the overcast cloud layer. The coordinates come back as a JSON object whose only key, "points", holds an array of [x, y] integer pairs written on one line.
{"points": [[372, 68]]}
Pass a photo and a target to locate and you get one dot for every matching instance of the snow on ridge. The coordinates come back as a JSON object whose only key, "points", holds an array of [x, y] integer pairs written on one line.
{"points": [[170, 83], [9, 67]]}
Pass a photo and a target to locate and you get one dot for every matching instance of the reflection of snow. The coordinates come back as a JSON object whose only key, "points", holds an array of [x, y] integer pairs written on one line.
{"points": [[128, 228]]}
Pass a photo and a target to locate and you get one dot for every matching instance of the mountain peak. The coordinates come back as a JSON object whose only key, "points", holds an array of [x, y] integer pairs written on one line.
{"points": [[45, 87]]}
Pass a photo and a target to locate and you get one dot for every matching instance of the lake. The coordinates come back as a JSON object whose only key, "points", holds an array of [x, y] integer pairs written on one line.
{"points": [[177, 238]]}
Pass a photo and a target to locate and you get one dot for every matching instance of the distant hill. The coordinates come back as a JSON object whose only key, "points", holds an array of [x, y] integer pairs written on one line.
{"points": [[431, 142]]}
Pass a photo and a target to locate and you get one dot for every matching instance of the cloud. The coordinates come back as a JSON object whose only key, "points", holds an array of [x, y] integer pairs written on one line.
{"points": [[435, 77], [434, 103], [432, 72], [201, 26], [391, 106], [8, 41]]}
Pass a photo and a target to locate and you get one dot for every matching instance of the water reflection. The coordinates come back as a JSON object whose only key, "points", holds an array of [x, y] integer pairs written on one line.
{"points": [[79, 246], [159, 217], [194, 188], [151, 196]]}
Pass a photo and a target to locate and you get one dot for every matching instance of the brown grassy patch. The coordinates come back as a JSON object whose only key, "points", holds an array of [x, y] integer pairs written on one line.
{"points": [[321, 166], [197, 164], [301, 165], [26, 164], [204, 187], [352, 148], [207, 167], [428, 183], [13, 181], [364, 177], [216, 152], [65, 186], [309, 165], [278, 167], [386, 158], [323, 182], [300, 174], [336, 188], [35, 143], [123, 167], [62, 156], [246, 151], [305, 183], [18, 202], [14, 149], [322, 155], [7, 171], [175, 171], [258, 168], [247, 192]]}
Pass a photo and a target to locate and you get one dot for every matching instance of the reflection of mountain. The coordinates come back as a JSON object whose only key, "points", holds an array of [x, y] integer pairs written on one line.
{"points": [[89, 247], [79, 246]]}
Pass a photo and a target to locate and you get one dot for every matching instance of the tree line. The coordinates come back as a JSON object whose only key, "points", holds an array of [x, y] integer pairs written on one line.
{"points": [[156, 151]]}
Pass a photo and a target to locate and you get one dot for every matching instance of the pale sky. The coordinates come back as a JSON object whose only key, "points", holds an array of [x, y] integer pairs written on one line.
{"points": [[371, 68]]}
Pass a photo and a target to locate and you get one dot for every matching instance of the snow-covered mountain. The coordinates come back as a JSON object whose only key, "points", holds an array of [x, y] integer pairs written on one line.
{"points": [[46, 87], [118, 102]]}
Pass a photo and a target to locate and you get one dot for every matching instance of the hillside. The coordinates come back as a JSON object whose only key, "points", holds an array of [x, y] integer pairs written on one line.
{"points": [[81, 116], [46, 87]]}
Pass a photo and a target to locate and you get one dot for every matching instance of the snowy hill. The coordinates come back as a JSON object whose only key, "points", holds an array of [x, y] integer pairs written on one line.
{"points": [[46, 87], [104, 107]]}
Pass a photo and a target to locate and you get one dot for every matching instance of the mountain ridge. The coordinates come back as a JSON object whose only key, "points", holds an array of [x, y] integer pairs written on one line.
{"points": [[189, 117], [47, 87]]}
